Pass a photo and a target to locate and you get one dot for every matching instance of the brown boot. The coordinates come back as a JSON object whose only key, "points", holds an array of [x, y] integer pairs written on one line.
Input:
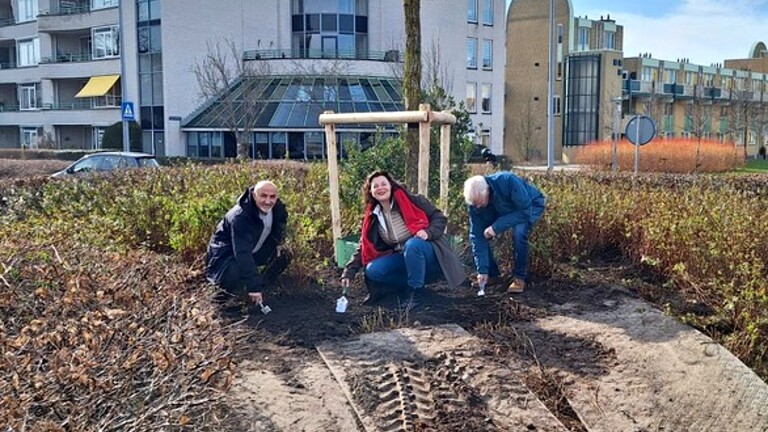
{"points": [[516, 287]]}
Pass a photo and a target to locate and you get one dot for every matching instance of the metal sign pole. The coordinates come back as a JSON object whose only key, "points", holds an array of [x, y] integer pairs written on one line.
{"points": [[637, 146]]}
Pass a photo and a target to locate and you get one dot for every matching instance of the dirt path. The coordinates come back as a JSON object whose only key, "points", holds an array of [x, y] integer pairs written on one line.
{"points": [[569, 354]]}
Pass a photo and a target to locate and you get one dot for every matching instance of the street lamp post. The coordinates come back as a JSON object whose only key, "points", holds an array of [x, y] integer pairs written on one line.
{"points": [[551, 90], [123, 95]]}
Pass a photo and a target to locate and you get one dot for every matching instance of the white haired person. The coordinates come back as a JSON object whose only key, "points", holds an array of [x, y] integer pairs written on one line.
{"points": [[499, 202], [250, 235]]}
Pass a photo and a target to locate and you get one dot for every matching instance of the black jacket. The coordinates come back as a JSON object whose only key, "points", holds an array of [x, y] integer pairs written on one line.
{"points": [[237, 234]]}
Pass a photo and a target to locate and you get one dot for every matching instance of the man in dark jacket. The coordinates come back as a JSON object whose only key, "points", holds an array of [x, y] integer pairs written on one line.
{"points": [[499, 202], [250, 235]]}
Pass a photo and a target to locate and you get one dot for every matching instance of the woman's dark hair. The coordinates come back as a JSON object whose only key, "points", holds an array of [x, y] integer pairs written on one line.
{"points": [[366, 189]]}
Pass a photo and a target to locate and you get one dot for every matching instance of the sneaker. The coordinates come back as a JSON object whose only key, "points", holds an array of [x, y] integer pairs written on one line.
{"points": [[492, 281], [516, 287]]}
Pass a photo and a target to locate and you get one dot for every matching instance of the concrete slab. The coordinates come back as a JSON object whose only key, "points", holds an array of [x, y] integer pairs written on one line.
{"points": [[666, 375]]}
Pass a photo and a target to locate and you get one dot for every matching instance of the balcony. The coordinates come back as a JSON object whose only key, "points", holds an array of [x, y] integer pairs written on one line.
{"points": [[77, 17], [638, 88], [67, 58], [74, 65], [277, 54]]}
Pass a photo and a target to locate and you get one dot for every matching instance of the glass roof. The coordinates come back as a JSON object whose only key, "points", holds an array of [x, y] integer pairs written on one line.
{"points": [[297, 101]]}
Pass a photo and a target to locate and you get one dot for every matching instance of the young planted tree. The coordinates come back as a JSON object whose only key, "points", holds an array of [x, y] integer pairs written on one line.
{"points": [[698, 114], [234, 87], [412, 86]]}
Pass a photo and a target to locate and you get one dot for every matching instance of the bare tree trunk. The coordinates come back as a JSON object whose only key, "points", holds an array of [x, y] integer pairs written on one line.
{"points": [[412, 86]]}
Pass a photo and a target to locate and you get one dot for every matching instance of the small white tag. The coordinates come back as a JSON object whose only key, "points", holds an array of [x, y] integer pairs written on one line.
{"points": [[341, 304]]}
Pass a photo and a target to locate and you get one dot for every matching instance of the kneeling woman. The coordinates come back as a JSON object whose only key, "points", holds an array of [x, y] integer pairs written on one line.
{"points": [[402, 245]]}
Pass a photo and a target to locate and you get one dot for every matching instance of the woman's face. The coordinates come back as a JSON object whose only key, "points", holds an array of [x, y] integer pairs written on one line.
{"points": [[381, 189]]}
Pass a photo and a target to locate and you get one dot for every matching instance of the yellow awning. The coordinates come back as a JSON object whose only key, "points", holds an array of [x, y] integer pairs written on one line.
{"points": [[97, 86]]}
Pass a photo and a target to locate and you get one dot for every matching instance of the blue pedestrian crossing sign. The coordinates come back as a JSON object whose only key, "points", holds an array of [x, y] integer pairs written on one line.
{"points": [[128, 113]]}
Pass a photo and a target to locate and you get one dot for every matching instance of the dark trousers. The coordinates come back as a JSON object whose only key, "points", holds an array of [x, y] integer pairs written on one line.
{"points": [[274, 266]]}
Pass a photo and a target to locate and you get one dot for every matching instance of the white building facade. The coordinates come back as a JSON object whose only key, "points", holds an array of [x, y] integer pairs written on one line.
{"points": [[361, 42], [49, 52]]}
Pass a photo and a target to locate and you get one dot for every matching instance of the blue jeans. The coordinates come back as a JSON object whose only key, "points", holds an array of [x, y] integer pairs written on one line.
{"points": [[414, 267], [520, 233]]}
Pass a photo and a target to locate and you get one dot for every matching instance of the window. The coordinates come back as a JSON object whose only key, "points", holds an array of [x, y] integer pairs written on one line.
{"points": [[487, 54], [98, 137], [112, 98], [27, 10], [609, 41], [101, 4], [29, 138], [488, 12], [485, 102], [583, 39], [28, 97], [106, 42], [556, 105], [646, 74], [29, 52], [670, 76], [471, 100], [472, 11], [471, 53]]}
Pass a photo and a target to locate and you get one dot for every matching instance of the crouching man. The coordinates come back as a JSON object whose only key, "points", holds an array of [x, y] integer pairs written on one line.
{"points": [[250, 235]]}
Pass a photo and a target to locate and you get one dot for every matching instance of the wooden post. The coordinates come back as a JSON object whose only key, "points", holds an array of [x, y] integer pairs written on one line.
{"points": [[445, 169], [333, 182], [424, 128]]}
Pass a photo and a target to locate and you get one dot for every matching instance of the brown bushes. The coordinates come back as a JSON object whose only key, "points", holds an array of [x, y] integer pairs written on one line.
{"points": [[104, 341], [669, 155]]}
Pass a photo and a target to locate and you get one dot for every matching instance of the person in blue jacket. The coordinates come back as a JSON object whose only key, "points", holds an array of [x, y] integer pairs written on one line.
{"points": [[497, 203]]}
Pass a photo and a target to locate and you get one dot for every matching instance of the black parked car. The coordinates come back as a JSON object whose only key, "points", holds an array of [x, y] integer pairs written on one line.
{"points": [[108, 161], [481, 153]]}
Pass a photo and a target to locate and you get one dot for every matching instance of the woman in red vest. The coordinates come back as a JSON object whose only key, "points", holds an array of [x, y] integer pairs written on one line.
{"points": [[402, 243]]}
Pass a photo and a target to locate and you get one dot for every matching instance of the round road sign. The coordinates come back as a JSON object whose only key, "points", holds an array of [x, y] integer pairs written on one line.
{"points": [[640, 130]]}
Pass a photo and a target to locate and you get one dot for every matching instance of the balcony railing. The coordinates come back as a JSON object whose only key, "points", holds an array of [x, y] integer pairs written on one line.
{"points": [[66, 10], [77, 105], [67, 58], [386, 56], [7, 21], [8, 65]]}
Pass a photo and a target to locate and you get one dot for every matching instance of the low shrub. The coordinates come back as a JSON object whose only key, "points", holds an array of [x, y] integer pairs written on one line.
{"points": [[664, 155]]}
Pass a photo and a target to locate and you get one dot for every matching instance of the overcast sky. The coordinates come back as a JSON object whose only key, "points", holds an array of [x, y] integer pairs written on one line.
{"points": [[704, 31]]}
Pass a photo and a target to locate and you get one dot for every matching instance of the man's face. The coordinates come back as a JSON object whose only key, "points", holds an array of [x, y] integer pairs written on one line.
{"points": [[480, 202], [265, 197]]}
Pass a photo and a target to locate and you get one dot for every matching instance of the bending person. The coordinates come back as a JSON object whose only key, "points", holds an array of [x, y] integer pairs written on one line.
{"points": [[402, 245], [499, 202]]}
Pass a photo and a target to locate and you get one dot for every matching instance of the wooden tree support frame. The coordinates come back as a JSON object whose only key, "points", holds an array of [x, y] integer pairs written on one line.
{"points": [[425, 117]]}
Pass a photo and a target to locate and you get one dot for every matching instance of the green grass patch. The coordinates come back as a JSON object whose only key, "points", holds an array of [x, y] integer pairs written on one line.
{"points": [[754, 166]]}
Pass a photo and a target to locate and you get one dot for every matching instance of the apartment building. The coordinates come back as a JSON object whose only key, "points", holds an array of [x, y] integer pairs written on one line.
{"points": [[61, 85], [726, 102], [587, 75], [59, 72], [343, 55]]}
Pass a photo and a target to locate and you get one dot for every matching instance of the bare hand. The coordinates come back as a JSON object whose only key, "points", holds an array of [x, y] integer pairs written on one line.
{"points": [[345, 283], [489, 233], [422, 234], [256, 297]]}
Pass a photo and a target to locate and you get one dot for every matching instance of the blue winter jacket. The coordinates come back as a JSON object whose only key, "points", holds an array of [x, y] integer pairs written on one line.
{"points": [[512, 201]]}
